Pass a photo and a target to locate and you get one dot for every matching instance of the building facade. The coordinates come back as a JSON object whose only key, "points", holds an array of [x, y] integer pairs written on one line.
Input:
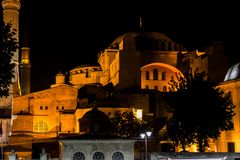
{"points": [[134, 65]]}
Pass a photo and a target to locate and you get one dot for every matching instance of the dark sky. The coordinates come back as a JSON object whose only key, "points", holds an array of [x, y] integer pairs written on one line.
{"points": [[65, 34]]}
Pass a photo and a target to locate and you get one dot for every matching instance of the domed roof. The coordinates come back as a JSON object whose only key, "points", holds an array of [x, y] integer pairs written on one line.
{"points": [[152, 38], [95, 122], [87, 66], [95, 114], [233, 72], [154, 35]]}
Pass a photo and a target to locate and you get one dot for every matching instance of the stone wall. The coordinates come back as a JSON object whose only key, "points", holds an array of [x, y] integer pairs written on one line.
{"points": [[195, 155]]}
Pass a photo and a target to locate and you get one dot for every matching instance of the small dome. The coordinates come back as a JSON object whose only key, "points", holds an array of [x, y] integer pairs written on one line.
{"points": [[233, 72], [95, 121], [95, 114]]}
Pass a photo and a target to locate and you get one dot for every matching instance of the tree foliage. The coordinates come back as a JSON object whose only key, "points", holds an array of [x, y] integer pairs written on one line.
{"points": [[8, 45], [200, 110], [125, 124]]}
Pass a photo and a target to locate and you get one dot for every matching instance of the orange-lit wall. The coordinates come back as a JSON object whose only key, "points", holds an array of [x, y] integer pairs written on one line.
{"points": [[234, 135], [84, 75], [105, 59]]}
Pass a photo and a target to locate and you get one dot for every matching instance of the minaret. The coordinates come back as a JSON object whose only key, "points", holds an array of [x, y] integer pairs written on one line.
{"points": [[11, 15], [25, 67], [140, 23]]}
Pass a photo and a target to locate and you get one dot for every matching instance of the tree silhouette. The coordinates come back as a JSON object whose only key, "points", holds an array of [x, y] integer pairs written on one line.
{"points": [[8, 45], [200, 110], [125, 124]]}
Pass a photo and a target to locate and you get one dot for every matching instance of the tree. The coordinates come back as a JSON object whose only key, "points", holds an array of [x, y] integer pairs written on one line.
{"points": [[8, 46], [200, 110], [125, 124]]}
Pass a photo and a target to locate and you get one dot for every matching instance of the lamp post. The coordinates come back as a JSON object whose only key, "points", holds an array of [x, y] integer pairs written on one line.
{"points": [[145, 137]]}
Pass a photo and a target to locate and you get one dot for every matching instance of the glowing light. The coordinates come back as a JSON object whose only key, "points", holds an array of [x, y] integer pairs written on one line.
{"points": [[149, 133], [138, 113], [142, 135]]}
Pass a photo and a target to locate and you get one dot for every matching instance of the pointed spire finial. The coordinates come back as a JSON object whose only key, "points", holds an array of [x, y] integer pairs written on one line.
{"points": [[141, 22]]}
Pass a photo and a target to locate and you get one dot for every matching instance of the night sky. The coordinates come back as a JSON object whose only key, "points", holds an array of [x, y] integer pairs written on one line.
{"points": [[65, 34]]}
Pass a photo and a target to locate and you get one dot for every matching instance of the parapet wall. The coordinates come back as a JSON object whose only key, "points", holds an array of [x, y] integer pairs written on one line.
{"points": [[195, 156]]}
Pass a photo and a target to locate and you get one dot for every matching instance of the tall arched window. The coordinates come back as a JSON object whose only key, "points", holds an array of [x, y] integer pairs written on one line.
{"points": [[117, 156], [147, 75], [155, 74], [163, 75], [87, 74]]}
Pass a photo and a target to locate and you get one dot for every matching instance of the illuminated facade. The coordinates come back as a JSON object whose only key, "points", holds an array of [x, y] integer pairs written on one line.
{"points": [[85, 74], [229, 141], [127, 59], [46, 114], [134, 64], [58, 109]]}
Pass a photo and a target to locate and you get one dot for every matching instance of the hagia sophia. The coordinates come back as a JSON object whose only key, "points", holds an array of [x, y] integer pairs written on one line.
{"points": [[135, 65]]}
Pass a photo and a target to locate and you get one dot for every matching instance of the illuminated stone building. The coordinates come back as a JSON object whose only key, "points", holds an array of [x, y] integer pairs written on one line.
{"points": [[229, 141], [97, 141], [42, 116], [46, 114], [138, 66], [143, 60]]}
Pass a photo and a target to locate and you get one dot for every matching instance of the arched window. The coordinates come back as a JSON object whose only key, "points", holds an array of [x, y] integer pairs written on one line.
{"points": [[147, 75], [40, 127], [163, 75], [117, 156], [87, 74], [98, 156], [78, 156], [164, 88], [155, 74]]}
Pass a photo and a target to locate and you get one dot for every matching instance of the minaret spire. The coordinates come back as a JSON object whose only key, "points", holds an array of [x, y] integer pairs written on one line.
{"points": [[140, 23], [25, 67], [11, 15]]}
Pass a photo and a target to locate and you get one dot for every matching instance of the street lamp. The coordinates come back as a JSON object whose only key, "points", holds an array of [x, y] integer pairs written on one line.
{"points": [[145, 137]]}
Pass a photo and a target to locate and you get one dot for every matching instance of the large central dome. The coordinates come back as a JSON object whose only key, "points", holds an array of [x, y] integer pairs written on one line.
{"points": [[148, 41]]}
